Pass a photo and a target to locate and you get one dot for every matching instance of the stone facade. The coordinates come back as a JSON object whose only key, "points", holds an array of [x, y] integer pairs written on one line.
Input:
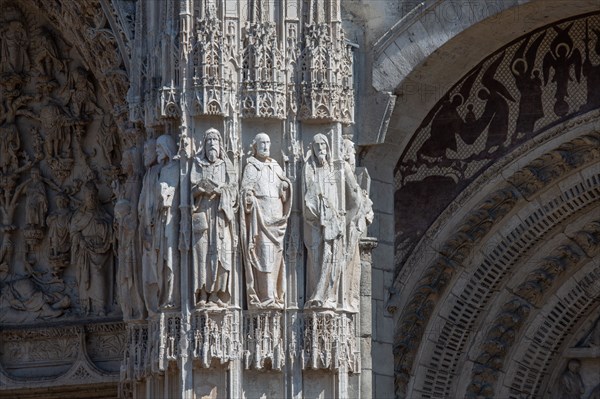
{"points": [[299, 198]]}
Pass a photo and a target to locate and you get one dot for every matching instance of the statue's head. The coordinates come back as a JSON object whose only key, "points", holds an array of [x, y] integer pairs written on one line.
{"points": [[165, 148], [320, 149], [90, 195], [574, 365], [261, 146], [62, 201], [349, 152], [149, 152], [35, 174], [212, 144]]}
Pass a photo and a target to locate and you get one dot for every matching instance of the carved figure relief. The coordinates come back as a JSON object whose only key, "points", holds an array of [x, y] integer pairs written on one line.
{"points": [[37, 203], [325, 185], [14, 46], [128, 276], [58, 232], [91, 253], [147, 209], [214, 196], [358, 217], [266, 196], [570, 385], [166, 234], [24, 299]]}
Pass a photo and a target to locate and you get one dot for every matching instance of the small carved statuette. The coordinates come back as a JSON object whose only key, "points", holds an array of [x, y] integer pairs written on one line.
{"points": [[58, 232]]}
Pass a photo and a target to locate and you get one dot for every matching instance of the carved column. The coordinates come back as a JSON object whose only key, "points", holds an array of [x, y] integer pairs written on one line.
{"points": [[367, 245]]}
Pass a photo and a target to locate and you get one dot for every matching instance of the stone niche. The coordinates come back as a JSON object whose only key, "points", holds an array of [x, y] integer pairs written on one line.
{"points": [[59, 153]]}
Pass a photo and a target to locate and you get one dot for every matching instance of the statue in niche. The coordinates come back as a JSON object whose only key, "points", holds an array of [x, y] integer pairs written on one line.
{"points": [[167, 228], [22, 299], [266, 196], [36, 203], [58, 232], [570, 384], [91, 252], [128, 277], [147, 208], [358, 217], [214, 194], [325, 223], [14, 45]]}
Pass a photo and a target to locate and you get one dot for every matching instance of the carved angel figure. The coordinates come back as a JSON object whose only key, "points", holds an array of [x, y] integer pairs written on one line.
{"points": [[267, 202], [214, 196]]}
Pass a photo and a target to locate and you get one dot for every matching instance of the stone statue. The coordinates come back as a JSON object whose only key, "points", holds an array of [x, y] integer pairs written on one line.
{"points": [[14, 44], [358, 216], [128, 276], [167, 228], [147, 208], [82, 100], [267, 202], [214, 196], [323, 227], [324, 191], [58, 228], [570, 385], [36, 203], [91, 252]]}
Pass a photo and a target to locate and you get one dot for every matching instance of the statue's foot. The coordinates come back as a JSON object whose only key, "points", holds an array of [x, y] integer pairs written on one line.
{"points": [[314, 303], [201, 303], [168, 306]]}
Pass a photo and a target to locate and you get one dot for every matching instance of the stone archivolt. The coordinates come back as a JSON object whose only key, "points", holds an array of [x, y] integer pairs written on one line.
{"points": [[525, 184]]}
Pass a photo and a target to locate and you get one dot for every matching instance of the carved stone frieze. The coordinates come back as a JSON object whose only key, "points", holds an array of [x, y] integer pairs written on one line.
{"points": [[264, 340], [263, 73], [329, 342], [325, 80], [213, 81], [215, 337]]}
